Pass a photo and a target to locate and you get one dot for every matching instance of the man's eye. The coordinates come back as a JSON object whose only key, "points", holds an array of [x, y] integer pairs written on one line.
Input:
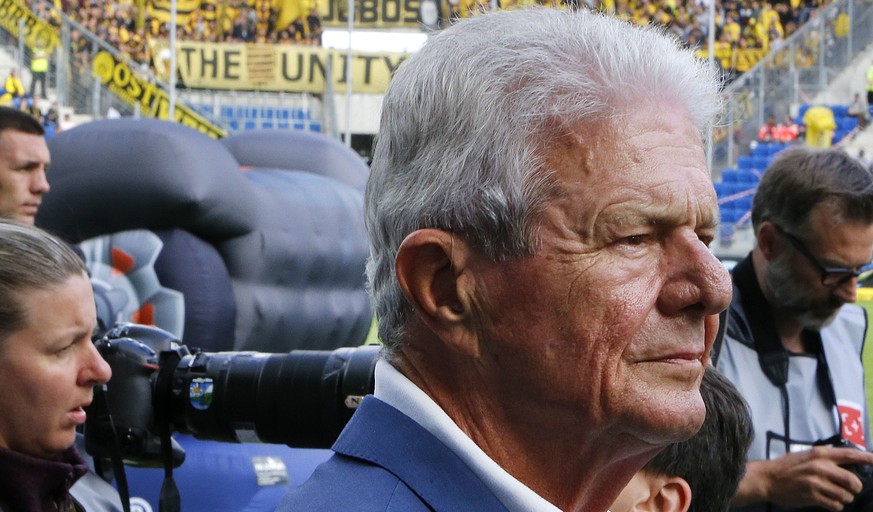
{"points": [[634, 239]]}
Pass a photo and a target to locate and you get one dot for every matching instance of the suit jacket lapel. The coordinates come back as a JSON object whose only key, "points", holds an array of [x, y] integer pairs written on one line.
{"points": [[382, 435]]}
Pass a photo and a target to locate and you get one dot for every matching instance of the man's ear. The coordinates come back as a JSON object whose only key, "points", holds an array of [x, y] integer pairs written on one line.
{"points": [[674, 496], [766, 239], [430, 266], [665, 494]]}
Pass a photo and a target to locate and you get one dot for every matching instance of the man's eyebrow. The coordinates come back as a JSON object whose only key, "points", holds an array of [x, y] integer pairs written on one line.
{"points": [[29, 164], [656, 216]]}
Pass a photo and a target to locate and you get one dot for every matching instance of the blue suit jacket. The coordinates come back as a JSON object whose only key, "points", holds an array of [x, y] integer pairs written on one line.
{"points": [[385, 461]]}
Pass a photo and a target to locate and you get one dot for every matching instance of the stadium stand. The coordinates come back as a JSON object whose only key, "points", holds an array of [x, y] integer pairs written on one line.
{"points": [[737, 185]]}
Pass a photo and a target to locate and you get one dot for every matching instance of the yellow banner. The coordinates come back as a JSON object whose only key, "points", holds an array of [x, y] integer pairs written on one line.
{"points": [[117, 76], [370, 13], [35, 30], [282, 68], [161, 9]]}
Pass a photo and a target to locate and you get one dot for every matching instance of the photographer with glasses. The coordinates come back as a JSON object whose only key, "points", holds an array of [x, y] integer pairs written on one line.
{"points": [[793, 339]]}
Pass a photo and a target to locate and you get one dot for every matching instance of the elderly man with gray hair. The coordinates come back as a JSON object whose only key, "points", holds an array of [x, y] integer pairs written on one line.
{"points": [[539, 211]]}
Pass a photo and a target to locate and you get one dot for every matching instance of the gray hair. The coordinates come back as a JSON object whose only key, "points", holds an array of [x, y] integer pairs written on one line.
{"points": [[466, 120], [801, 178], [30, 259]]}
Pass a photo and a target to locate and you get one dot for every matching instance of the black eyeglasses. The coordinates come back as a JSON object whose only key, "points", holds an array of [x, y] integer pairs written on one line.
{"points": [[833, 276]]}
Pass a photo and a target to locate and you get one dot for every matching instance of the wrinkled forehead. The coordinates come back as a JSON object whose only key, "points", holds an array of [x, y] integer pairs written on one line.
{"points": [[647, 159]]}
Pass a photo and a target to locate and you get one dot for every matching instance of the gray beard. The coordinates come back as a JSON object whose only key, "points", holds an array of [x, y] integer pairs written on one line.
{"points": [[791, 295]]}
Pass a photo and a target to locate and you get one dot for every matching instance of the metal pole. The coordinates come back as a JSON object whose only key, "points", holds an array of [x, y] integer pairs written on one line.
{"points": [[172, 111], [20, 47], [822, 68], [850, 12], [63, 65], [711, 44], [349, 75]]}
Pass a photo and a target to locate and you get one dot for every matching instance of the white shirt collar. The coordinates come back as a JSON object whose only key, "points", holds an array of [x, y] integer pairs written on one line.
{"points": [[393, 388]]}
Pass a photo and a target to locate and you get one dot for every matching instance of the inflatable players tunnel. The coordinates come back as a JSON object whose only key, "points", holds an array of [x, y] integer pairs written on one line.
{"points": [[254, 242]]}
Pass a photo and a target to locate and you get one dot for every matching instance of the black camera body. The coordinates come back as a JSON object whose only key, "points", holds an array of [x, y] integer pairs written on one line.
{"points": [[302, 399], [863, 501]]}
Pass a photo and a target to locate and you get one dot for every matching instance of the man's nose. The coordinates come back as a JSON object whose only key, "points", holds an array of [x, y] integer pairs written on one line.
{"points": [[39, 182]]}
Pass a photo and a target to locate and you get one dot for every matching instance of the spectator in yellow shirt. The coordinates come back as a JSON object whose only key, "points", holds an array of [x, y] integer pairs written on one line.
{"points": [[820, 126], [13, 88]]}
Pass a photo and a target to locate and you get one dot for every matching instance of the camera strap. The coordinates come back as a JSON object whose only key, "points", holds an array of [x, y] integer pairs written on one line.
{"points": [[105, 417], [170, 501]]}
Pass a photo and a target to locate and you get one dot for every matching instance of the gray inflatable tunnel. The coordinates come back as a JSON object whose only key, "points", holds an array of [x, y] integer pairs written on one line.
{"points": [[261, 233]]}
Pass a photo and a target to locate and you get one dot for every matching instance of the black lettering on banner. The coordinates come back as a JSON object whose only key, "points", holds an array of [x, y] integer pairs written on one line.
{"points": [[11, 11], [4, 8], [390, 11], [134, 87], [148, 94], [121, 80], [344, 58], [209, 58], [342, 11], [371, 13], [231, 62], [368, 60], [286, 65], [410, 12], [368, 11], [392, 67], [187, 52], [315, 62], [121, 76], [327, 10]]}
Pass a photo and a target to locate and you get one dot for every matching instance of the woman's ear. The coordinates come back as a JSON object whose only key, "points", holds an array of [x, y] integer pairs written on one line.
{"points": [[431, 267]]}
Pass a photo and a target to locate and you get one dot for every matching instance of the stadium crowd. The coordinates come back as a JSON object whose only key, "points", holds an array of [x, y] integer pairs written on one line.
{"points": [[134, 30], [132, 27]]}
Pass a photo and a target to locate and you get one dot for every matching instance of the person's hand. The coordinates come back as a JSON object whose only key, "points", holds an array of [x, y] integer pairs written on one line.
{"points": [[808, 478]]}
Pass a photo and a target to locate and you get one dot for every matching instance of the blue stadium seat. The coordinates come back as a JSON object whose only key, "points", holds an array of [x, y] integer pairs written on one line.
{"points": [[803, 109], [744, 162], [839, 110], [847, 123], [315, 126], [729, 214], [748, 178], [760, 162], [763, 149], [249, 125], [777, 147]]}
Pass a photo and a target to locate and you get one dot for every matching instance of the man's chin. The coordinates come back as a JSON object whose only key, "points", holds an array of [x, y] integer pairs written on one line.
{"points": [[674, 419], [30, 220], [818, 321]]}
